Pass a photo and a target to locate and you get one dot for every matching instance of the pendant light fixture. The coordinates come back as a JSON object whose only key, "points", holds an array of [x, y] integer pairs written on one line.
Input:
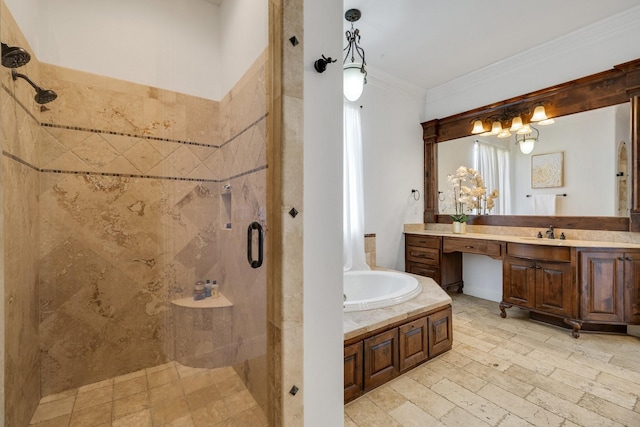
{"points": [[527, 141], [354, 65]]}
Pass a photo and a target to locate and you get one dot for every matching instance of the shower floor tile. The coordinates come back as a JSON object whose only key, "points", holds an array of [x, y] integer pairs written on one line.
{"points": [[166, 395]]}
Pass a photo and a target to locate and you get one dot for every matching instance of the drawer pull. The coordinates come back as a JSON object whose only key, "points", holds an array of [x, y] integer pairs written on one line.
{"points": [[628, 259], [469, 247], [621, 259]]}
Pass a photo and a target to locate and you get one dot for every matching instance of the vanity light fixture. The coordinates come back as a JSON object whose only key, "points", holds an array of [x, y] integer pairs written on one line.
{"points": [[527, 141], [478, 127], [540, 116], [354, 69]]}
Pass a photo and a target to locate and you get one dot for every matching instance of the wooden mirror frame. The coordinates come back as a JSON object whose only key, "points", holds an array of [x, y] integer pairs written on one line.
{"points": [[616, 86]]}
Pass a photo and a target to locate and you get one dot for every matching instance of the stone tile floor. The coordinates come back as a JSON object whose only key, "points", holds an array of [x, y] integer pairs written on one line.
{"points": [[165, 395], [511, 372]]}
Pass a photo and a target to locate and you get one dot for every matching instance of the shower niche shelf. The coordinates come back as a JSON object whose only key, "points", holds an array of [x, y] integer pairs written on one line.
{"points": [[219, 302], [225, 207]]}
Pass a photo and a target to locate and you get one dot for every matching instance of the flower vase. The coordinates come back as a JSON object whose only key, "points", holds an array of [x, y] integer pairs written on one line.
{"points": [[459, 227]]}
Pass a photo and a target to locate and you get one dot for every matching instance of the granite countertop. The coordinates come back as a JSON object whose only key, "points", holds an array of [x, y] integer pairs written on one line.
{"points": [[529, 240], [360, 322]]}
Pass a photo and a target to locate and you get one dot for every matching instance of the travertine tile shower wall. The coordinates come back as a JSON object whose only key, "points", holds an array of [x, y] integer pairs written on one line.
{"points": [[20, 187], [130, 219]]}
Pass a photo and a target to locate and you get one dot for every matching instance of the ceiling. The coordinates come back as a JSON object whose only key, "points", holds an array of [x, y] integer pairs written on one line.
{"points": [[429, 42]]}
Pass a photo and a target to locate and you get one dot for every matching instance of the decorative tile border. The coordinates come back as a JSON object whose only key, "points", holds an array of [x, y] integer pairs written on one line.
{"points": [[127, 175], [148, 137]]}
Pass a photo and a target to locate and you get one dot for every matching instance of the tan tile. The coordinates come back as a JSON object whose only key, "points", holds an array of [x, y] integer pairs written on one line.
{"points": [[605, 392], [210, 415], [422, 396], [368, 414], [525, 361], [231, 386], [187, 371], [91, 416], [93, 397], [455, 374], [97, 385], [239, 402], [163, 377], [409, 415], [131, 404], [162, 367], [476, 343], [137, 419], [386, 398], [126, 388], [130, 376], [568, 410], [458, 417], [250, 418], [166, 392], [487, 359], [528, 411], [54, 409], [185, 421], [500, 379], [169, 410], [599, 365], [203, 397], [512, 420], [552, 386], [348, 422], [610, 410], [61, 421], [197, 381], [58, 396], [478, 406]]}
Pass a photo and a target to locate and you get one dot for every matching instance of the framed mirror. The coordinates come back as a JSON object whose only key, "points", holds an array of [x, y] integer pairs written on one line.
{"points": [[613, 97], [572, 159]]}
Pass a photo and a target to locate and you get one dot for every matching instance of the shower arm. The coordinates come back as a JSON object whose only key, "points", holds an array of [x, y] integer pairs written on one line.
{"points": [[15, 75]]}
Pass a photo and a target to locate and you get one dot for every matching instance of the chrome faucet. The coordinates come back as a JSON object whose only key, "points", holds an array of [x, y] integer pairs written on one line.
{"points": [[549, 233]]}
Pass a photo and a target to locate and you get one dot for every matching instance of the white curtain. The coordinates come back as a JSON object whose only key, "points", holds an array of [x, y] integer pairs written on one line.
{"points": [[353, 203], [493, 163]]}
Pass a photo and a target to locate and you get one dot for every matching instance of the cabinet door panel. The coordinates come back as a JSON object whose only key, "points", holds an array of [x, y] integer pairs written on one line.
{"points": [[519, 281], [413, 343], [601, 286], [440, 332], [424, 270], [380, 358], [632, 287], [353, 383], [554, 288]]}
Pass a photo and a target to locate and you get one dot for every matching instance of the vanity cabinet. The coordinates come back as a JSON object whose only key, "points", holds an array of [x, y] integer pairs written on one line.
{"points": [[609, 286], [424, 256], [540, 278], [381, 355]]}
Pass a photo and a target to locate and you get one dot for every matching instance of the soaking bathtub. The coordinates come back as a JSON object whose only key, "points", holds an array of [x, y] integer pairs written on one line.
{"points": [[366, 290]]}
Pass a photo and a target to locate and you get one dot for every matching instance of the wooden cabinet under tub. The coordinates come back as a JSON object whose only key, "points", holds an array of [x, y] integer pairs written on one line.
{"points": [[376, 357]]}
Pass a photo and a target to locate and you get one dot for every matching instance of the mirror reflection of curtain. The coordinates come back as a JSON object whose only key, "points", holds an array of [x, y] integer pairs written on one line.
{"points": [[493, 163], [353, 192]]}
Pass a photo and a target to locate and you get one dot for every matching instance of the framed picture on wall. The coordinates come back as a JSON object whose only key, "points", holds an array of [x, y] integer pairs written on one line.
{"points": [[547, 170]]}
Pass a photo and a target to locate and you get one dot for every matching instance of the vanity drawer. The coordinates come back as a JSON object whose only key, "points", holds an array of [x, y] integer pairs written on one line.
{"points": [[541, 252], [472, 246], [423, 255], [423, 241]]}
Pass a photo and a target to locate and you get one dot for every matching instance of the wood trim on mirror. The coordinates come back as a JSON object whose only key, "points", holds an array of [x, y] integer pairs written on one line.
{"points": [[618, 85]]}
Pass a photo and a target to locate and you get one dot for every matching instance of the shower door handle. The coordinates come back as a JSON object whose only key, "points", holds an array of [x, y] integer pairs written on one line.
{"points": [[255, 263]]}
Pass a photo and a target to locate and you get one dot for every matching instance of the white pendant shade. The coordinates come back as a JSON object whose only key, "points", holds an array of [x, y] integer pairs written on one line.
{"points": [[524, 130], [353, 81], [526, 145]]}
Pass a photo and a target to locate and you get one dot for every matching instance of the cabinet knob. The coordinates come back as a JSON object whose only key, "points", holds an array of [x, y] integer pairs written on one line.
{"points": [[620, 259], [629, 259]]}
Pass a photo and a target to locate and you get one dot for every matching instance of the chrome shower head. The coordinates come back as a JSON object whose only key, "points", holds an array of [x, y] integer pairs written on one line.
{"points": [[14, 57], [43, 96]]}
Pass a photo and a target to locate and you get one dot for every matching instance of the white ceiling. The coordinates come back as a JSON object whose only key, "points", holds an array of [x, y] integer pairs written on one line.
{"points": [[429, 42]]}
